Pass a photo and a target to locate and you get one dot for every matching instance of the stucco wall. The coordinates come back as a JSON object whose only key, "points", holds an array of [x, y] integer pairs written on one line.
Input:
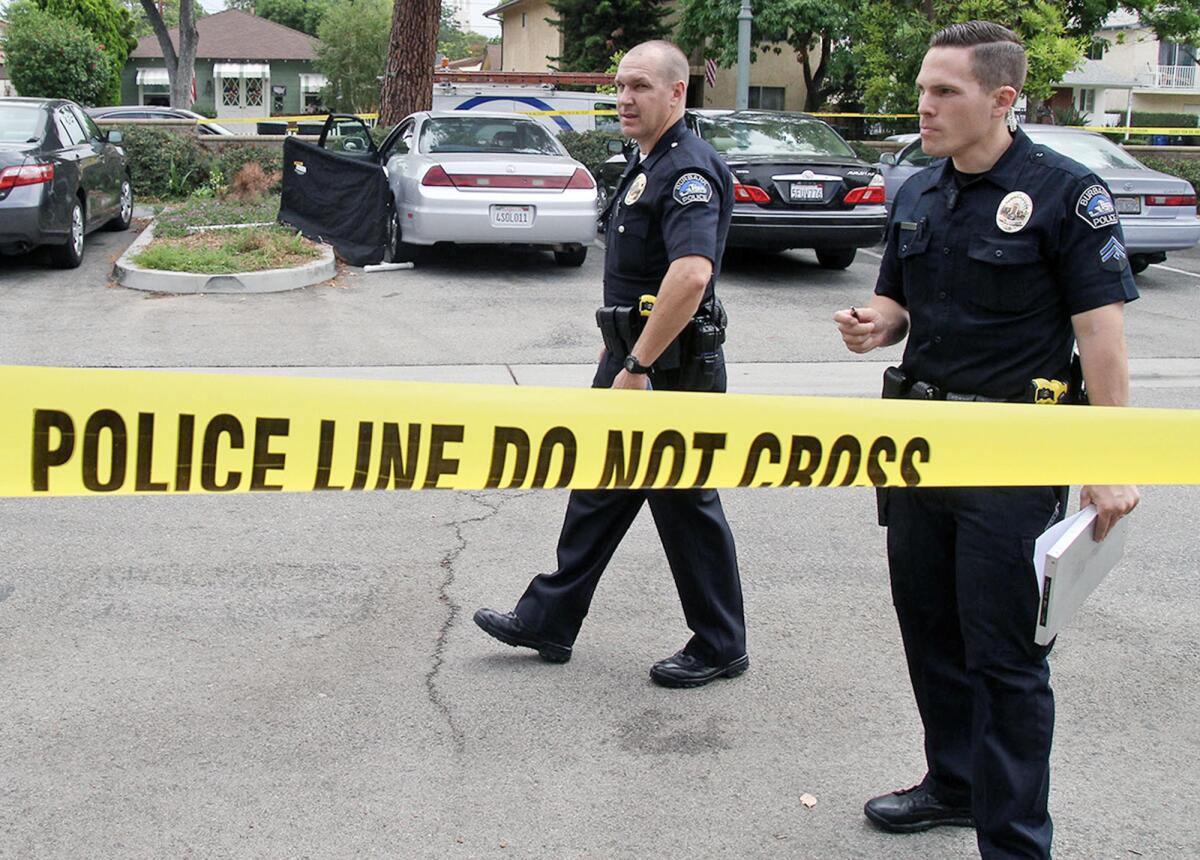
{"points": [[283, 72], [527, 41]]}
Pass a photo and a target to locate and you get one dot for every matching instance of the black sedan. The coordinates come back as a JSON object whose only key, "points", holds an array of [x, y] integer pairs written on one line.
{"points": [[60, 178], [797, 184]]}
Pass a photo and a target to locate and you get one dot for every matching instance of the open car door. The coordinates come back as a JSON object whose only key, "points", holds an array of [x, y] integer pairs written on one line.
{"points": [[336, 190]]}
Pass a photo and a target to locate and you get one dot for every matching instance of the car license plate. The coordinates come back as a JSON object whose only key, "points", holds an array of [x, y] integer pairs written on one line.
{"points": [[808, 191], [513, 216], [1128, 205]]}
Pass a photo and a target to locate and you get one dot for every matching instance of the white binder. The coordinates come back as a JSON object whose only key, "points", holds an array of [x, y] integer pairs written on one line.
{"points": [[1070, 565]]}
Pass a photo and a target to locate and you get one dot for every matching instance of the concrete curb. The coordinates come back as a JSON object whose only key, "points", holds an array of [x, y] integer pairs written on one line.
{"points": [[128, 274]]}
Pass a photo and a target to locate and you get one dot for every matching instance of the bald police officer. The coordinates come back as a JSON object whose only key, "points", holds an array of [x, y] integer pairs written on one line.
{"points": [[998, 259], [666, 234]]}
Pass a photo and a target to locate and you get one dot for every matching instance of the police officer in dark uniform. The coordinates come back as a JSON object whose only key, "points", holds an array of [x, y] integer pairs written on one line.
{"points": [[666, 233], [998, 260]]}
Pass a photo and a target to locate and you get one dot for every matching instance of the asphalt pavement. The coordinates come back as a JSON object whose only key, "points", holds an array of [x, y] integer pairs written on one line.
{"points": [[298, 675]]}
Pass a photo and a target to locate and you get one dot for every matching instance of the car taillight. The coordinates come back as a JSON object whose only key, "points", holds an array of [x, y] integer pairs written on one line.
{"points": [[866, 194], [749, 194], [438, 177], [581, 179], [26, 174], [1170, 199]]}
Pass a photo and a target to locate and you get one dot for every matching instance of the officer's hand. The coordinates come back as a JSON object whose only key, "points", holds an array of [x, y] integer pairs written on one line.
{"points": [[633, 381], [1112, 502], [862, 333]]}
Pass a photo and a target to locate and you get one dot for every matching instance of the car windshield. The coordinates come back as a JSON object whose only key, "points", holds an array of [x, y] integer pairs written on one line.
{"points": [[1090, 150], [20, 123], [771, 136], [487, 134]]}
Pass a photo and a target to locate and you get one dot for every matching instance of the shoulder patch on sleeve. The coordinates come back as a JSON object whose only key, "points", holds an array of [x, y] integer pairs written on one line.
{"points": [[692, 188], [1096, 207]]}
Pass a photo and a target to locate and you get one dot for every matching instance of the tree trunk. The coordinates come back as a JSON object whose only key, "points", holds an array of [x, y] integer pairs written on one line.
{"points": [[412, 48], [814, 80], [180, 66]]}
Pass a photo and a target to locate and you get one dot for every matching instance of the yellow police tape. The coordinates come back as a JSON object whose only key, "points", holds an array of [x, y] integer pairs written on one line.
{"points": [[79, 432]]}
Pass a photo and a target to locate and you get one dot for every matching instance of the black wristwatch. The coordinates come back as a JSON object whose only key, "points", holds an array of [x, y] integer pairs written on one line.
{"points": [[633, 366]]}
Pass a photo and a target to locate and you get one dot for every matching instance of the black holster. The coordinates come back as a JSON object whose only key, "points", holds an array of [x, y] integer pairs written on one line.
{"points": [[695, 353]]}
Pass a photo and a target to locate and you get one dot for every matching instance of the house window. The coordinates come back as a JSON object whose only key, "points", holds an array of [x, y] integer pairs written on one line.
{"points": [[1174, 54], [1086, 101], [767, 98], [522, 19], [254, 92], [231, 92], [1097, 49]]}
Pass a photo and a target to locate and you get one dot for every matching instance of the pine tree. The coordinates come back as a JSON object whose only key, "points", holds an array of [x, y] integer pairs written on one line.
{"points": [[594, 30]]}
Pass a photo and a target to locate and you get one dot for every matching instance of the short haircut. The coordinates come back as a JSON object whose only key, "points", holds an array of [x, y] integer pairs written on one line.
{"points": [[997, 55], [672, 63]]}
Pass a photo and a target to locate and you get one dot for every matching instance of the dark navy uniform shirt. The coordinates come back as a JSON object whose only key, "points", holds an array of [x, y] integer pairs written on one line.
{"points": [[992, 271], [675, 202]]}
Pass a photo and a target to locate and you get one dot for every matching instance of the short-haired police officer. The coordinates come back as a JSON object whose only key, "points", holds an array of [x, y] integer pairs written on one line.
{"points": [[998, 260], [666, 234]]}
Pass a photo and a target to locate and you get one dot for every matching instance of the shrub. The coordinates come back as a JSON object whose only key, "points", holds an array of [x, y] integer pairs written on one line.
{"points": [[1148, 119], [588, 147], [231, 159], [165, 164], [252, 182], [52, 58]]}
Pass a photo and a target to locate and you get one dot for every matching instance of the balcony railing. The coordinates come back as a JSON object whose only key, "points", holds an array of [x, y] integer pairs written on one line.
{"points": [[1175, 77]]}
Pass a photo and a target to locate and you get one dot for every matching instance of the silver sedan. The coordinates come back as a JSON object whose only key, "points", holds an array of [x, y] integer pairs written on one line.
{"points": [[1157, 211], [472, 177]]}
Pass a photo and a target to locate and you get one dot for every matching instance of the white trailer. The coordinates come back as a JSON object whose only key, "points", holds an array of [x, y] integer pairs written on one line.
{"points": [[537, 95]]}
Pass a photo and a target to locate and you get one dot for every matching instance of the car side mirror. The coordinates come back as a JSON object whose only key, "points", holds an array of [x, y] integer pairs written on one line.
{"points": [[615, 146], [887, 158], [114, 136]]}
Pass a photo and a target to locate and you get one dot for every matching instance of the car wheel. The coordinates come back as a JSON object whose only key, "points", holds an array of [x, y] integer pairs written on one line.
{"points": [[70, 255], [125, 216], [1139, 263], [397, 250], [573, 257], [840, 258]]}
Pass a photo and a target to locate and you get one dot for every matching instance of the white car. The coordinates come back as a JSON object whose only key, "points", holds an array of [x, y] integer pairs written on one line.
{"points": [[451, 176]]}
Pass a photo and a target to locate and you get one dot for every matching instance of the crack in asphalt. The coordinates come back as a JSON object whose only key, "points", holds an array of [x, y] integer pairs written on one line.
{"points": [[433, 693]]}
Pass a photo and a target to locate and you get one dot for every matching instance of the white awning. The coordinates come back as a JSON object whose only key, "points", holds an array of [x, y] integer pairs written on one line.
{"points": [[241, 70], [312, 83], [153, 77]]}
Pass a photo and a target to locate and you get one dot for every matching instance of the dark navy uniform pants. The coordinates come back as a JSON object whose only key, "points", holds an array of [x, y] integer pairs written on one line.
{"points": [[966, 596], [696, 539]]}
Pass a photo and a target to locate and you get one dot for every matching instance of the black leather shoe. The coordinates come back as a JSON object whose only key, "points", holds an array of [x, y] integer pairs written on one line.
{"points": [[684, 670], [509, 629], [914, 809]]}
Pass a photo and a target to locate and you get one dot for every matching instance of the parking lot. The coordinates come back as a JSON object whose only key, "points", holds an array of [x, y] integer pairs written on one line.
{"points": [[298, 675]]}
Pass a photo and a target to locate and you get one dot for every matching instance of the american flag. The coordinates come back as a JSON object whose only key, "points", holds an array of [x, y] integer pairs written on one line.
{"points": [[710, 72]]}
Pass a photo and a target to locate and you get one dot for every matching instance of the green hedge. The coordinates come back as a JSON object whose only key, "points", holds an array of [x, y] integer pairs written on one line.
{"points": [[588, 147], [1147, 119], [170, 165]]}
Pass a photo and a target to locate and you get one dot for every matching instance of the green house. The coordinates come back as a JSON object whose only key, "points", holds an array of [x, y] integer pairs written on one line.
{"points": [[246, 68]]}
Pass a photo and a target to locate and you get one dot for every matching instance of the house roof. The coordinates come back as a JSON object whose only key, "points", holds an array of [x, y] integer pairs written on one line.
{"points": [[1096, 73], [236, 35]]}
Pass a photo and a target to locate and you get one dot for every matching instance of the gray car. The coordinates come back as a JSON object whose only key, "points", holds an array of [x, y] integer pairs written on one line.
{"points": [[60, 178], [203, 124], [1157, 210]]}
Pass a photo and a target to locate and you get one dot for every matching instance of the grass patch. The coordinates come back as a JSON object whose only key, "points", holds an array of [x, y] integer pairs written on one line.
{"points": [[217, 252], [207, 212]]}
